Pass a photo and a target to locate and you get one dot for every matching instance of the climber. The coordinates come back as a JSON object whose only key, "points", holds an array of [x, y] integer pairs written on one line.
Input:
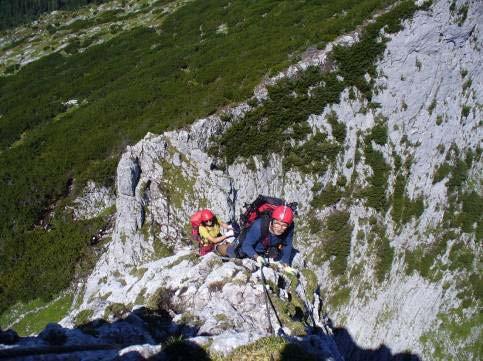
{"points": [[210, 231], [268, 237]]}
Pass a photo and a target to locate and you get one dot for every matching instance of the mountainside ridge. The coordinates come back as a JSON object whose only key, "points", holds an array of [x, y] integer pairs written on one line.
{"points": [[411, 247], [396, 305]]}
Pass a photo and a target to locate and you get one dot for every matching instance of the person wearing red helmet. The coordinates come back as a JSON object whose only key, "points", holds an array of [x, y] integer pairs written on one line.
{"points": [[210, 230], [268, 237]]}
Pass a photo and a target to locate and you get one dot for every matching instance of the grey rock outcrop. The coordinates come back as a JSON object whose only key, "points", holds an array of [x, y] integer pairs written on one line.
{"points": [[93, 202]]}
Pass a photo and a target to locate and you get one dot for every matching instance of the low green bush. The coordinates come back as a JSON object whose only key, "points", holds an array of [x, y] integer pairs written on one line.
{"points": [[336, 242], [404, 208], [338, 129], [384, 252], [46, 262], [441, 172], [375, 193], [330, 195], [422, 259]]}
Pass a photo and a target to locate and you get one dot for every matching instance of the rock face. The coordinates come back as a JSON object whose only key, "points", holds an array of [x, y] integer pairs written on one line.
{"points": [[93, 202], [215, 304], [429, 95]]}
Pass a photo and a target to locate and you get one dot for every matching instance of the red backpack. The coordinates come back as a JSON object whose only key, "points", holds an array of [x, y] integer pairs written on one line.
{"points": [[195, 221], [261, 206]]}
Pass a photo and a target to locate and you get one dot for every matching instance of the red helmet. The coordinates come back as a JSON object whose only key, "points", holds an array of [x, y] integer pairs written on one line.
{"points": [[207, 215], [283, 214]]}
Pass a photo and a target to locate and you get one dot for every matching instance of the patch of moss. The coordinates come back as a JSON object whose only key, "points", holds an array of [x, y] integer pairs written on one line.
{"points": [[455, 329], [462, 14], [467, 85], [161, 299], [140, 298], [83, 317], [269, 348], [187, 318], [161, 250], [312, 283], [138, 272], [116, 310], [191, 257], [339, 298], [464, 204], [465, 111], [105, 296], [175, 348], [175, 185], [432, 106]]}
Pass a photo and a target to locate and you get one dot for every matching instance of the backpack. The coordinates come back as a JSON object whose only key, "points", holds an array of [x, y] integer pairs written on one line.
{"points": [[261, 207], [195, 221]]}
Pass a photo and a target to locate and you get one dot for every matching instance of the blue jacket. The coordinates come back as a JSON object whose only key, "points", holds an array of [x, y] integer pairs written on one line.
{"points": [[252, 244]]}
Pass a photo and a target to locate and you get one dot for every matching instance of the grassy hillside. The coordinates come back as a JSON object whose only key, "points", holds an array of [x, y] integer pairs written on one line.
{"points": [[206, 55]]}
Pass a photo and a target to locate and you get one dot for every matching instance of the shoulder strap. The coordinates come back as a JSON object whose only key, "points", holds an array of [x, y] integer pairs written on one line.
{"points": [[265, 230]]}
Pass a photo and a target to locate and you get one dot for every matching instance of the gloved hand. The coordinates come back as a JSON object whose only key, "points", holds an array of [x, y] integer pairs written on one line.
{"points": [[291, 271], [261, 261], [229, 233], [277, 265]]}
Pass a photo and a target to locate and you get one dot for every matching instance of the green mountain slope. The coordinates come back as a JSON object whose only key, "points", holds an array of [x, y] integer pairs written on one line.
{"points": [[206, 55]]}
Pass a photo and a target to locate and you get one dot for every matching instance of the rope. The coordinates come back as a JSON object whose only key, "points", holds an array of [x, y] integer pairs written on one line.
{"points": [[310, 309], [267, 297]]}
